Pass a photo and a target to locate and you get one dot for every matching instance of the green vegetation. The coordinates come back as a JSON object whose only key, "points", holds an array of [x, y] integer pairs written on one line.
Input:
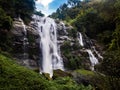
{"points": [[110, 64], [5, 20], [103, 82], [68, 84], [85, 72], [39, 13], [13, 76], [110, 70], [18, 8], [74, 61]]}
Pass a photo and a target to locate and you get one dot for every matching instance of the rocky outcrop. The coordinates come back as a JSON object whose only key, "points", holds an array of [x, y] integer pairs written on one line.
{"points": [[25, 44], [74, 55]]}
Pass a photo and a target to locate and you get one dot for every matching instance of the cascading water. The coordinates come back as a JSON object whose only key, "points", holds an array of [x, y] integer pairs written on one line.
{"points": [[51, 59], [92, 58], [97, 53], [80, 39]]}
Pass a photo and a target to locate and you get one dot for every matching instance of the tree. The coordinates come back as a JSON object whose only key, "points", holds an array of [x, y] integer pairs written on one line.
{"points": [[25, 9], [16, 8], [110, 70], [61, 12], [39, 13], [89, 22], [110, 64], [115, 43], [5, 21], [74, 3]]}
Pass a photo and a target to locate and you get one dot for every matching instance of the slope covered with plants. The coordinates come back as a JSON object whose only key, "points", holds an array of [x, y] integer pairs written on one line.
{"points": [[14, 76]]}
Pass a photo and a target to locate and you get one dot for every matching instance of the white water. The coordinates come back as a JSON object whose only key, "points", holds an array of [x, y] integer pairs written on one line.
{"points": [[80, 39], [64, 28], [51, 58], [92, 58], [97, 53]]}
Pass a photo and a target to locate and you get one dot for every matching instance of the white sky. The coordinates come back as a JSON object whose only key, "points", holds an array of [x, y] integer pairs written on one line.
{"points": [[43, 5]]}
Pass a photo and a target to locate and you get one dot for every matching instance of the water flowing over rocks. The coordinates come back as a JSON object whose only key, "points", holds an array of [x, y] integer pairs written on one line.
{"points": [[44, 42], [89, 46], [50, 50]]}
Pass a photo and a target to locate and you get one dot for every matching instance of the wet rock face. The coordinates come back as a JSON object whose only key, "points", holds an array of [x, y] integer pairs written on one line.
{"points": [[26, 47], [17, 36], [25, 44], [17, 28], [75, 55]]}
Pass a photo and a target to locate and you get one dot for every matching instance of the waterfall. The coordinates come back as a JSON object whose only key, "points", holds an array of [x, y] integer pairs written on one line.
{"points": [[98, 54], [92, 58], [51, 58], [89, 50], [80, 39]]}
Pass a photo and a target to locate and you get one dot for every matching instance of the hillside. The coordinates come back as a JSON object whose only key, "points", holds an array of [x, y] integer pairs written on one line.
{"points": [[14, 76]]}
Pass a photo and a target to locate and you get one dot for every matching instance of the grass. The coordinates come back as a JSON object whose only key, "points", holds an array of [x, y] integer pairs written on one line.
{"points": [[85, 72], [13, 76]]}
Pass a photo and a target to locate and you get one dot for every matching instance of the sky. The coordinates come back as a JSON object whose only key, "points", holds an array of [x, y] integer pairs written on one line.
{"points": [[48, 6]]}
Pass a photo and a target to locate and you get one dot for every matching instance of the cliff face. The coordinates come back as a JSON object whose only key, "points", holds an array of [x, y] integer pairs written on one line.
{"points": [[26, 46], [26, 42]]}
